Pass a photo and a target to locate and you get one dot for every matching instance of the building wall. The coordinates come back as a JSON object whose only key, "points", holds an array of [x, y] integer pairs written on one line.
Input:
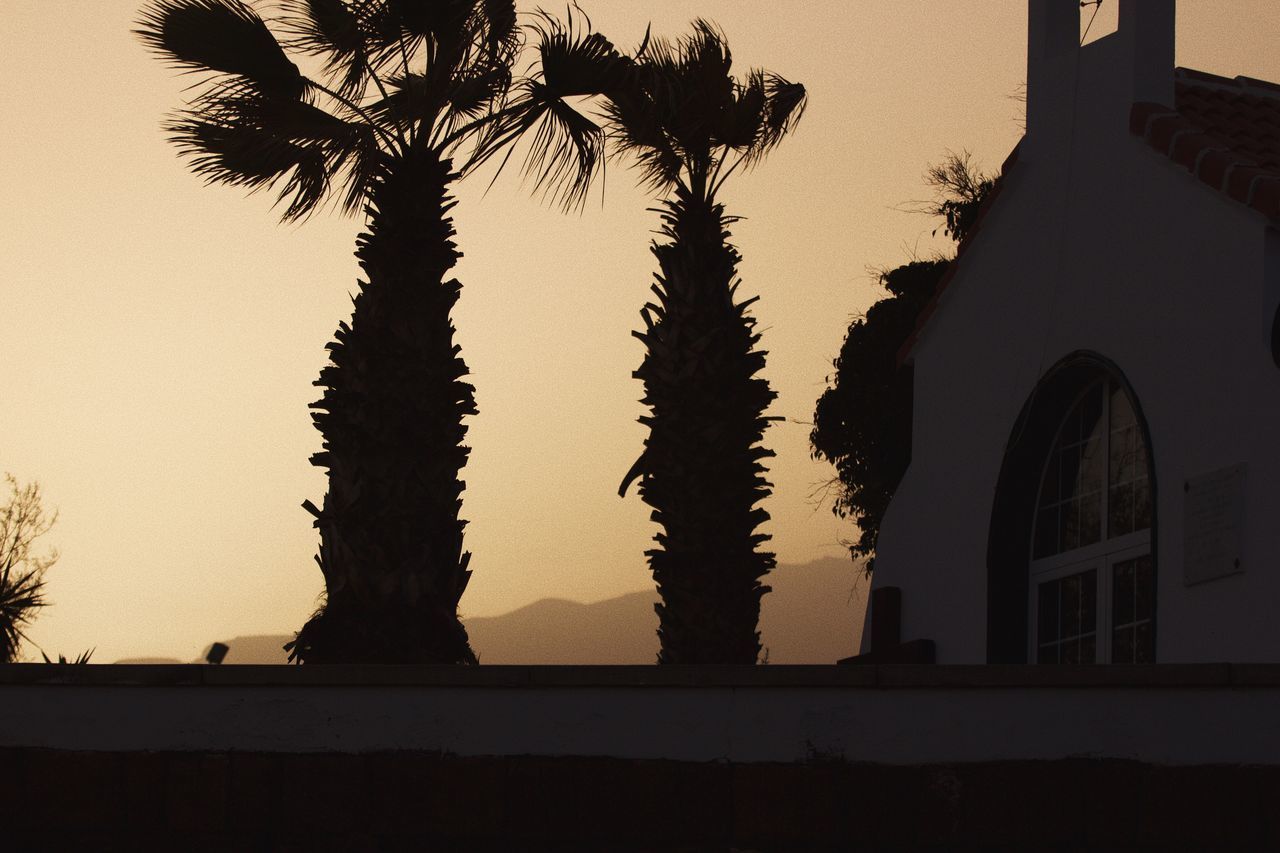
{"points": [[638, 758], [892, 715], [1097, 243]]}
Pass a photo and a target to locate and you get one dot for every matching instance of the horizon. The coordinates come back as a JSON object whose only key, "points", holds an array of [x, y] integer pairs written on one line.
{"points": [[167, 333], [830, 628]]}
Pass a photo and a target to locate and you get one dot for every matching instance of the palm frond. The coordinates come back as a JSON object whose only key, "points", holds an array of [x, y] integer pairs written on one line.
{"points": [[329, 29], [387, 43], [437, 19], [785, 103], [224, 150], [567, 146], [234, 135], [635, 129], [220, 36], [472, 102], [741, 121], [565, 152], [358, 162], [574, 61], [410, 99], [502, 35], [691, 94]]}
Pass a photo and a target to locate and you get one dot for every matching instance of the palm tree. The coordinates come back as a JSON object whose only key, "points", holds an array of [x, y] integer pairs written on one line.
{"points": [[402, 86], [689, 124]]}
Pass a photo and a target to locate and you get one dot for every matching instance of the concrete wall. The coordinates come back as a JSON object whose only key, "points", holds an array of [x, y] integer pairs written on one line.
{"points": [[892, 715], [774, 758], [1097, 243]]}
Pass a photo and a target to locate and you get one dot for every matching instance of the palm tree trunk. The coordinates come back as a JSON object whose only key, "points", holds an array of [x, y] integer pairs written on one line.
{"points": [[392, 421], [701, 467]]}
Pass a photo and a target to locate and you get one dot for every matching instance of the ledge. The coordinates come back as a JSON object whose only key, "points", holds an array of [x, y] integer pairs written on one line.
{"points": [[884, 676]]}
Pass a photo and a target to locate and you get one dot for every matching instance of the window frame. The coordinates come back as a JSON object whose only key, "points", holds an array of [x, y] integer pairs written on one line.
{"points": [[1101, 555]]}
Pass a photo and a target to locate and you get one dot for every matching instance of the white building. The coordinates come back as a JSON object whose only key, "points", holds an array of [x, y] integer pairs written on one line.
{"points": [[1095, 469]]}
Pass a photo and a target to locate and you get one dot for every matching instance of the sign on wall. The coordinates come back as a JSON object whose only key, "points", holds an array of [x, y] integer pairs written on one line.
{"points": [[1213, 513]]}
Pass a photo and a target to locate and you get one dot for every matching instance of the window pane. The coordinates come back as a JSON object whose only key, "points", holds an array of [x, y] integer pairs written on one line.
{"points": [[1122, 593], [1092, 456], [1069, 526], [1122, 645], [1122, 468], [1067, 618], [1091, 466], [1047, 621], [1144, 644], [1120, 510], [1069, 471], [1144, 588], [1088, 602], [1090, 519], [1141, 504], [1070, 598], [1121, 409]]}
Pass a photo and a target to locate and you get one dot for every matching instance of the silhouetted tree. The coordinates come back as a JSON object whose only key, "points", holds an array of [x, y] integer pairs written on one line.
{"points": [[23, 520], [404, 85], [862, 423], [689, 124]]}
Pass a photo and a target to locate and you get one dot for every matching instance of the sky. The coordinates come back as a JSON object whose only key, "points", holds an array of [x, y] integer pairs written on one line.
{"points": [[159, 338]]}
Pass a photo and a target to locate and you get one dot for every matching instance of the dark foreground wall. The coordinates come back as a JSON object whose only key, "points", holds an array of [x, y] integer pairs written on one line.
{"points": [[639, 758], [235, 801]]}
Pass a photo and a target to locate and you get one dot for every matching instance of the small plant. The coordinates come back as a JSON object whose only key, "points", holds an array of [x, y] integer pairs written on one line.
{"points": [[23, 520], [82, 658]]}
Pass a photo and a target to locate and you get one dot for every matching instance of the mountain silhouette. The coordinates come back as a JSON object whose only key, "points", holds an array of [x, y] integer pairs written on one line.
{"points": [[813, 615]]}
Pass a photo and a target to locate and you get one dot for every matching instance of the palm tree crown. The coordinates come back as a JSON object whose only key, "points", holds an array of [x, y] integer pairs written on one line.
{"points": [[403, 86], [689, 124], [394, 75]]}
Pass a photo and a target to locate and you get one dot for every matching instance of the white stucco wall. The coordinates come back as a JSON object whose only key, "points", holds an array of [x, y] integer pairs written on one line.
{"points": [[1098, 243], [905, 715]]}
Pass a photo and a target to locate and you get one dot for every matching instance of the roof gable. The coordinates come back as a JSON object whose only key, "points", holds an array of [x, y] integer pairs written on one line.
{"points": [[1223, 130]]}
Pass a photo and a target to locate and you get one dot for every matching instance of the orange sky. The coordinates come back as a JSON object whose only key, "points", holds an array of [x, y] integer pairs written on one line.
{"points": [[159, 338]]}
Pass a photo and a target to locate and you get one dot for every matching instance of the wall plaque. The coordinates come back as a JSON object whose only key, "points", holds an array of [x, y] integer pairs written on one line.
{"points": [[1213, 524]]}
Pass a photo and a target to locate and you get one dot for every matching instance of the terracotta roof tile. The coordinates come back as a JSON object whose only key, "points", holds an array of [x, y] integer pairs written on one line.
{"points": [[1224, 130]]}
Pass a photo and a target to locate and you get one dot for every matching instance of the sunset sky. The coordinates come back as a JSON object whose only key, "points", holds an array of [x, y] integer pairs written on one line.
{"points": [[159, 338]]}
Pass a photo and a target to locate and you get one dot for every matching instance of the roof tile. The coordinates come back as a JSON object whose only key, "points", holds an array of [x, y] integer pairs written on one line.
{"points": [[1240, 182], [1162, 130], [1266, 196], [1188, 147], [1225, 130], [1215, 163]]}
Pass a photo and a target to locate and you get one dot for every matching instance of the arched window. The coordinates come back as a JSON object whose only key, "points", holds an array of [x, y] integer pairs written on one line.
{"points": [[1091, 575]]}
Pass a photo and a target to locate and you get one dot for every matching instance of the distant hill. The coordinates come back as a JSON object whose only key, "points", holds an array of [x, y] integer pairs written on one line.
{"points": [[148, 660], [813, 615]]}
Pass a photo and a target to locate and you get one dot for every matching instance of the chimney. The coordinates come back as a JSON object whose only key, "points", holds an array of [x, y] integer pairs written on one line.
{"points": [[1148, 27]]}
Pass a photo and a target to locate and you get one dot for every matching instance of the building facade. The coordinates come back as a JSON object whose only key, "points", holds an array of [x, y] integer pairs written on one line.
{"points": [[1095, 474]]}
